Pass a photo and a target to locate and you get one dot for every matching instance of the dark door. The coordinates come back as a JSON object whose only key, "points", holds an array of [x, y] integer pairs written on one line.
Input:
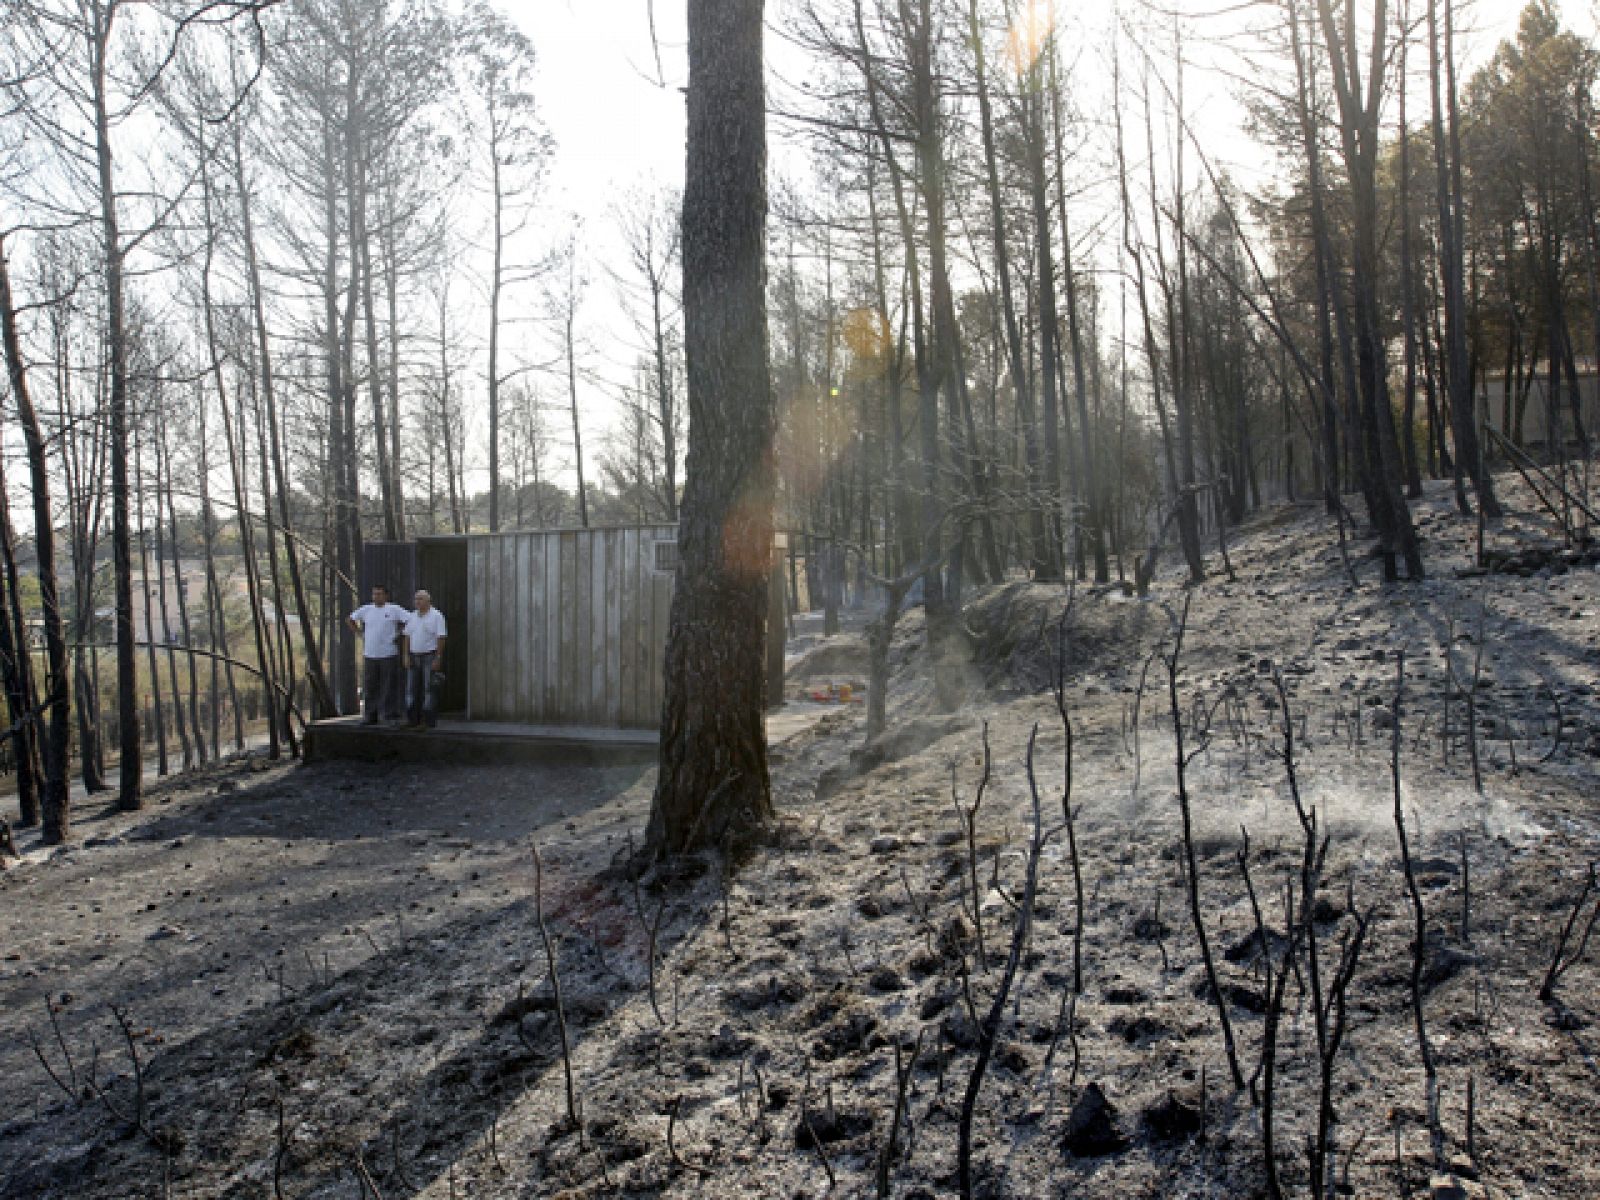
{"points": [[442, 573], [393, 564]]}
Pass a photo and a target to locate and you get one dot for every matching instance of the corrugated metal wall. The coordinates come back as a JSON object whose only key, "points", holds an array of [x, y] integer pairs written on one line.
{"points": [[569, 627]]}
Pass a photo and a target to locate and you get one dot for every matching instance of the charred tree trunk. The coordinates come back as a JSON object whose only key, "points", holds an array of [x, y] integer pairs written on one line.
{"points": [[216, 611], [572, 397], [180, 719], [18, 687], [130, 795], [713, 783], [1452, 254], [1359, 104], [1408, 320], [1049, 321], [53, 748], [152, 665]]}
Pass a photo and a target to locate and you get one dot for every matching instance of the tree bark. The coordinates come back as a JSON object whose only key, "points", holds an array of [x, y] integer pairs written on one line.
{"points": [[713, 784]]}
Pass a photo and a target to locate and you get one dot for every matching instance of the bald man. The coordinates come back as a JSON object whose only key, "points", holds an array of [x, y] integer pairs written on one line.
{"points": [[422, 652]]}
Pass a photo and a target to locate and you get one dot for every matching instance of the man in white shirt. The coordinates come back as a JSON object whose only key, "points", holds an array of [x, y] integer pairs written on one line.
{"points": [[380, 624], [423, 651]]}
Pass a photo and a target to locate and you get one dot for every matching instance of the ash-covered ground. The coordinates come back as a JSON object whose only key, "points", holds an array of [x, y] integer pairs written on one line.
{"points": [[336, 983]]}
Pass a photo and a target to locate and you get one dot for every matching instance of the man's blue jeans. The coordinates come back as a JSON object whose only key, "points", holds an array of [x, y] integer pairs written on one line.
{"points": [[421, 699]]}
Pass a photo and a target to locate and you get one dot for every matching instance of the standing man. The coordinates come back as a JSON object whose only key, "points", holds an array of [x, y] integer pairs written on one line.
{"points": [[423, 650], [379, 624]]}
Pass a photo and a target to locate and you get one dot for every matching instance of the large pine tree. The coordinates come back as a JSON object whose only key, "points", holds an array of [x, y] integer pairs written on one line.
{"points": [[713, 784]]}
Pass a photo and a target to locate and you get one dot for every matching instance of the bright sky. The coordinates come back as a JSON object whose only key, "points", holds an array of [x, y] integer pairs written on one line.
{"points": [[614, 125]]}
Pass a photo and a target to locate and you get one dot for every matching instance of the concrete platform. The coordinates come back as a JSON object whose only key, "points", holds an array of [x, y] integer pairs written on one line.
{"points": [[479, 742]]}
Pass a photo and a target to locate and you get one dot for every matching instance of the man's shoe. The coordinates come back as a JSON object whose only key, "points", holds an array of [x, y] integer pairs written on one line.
{"points": [[369, 720]]}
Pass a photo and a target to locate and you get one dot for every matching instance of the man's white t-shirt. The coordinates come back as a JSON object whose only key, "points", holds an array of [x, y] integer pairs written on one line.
{"points": [[424, 629], [380, 628]]}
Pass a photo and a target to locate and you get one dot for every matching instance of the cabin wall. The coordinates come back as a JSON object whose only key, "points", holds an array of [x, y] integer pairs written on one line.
{"points": [[1492, 408], [569, 627]]}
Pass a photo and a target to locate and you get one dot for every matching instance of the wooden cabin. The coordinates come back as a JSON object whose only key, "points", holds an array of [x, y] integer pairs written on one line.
{"points": [[1525, 414], [547, 627], [550, 627]]}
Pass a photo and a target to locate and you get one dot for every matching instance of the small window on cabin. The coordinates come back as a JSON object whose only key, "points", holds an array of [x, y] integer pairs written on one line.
{"points": [[667, 557]]}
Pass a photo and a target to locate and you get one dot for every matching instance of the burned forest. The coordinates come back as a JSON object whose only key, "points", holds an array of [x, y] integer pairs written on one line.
{"points": [[788, 598]]}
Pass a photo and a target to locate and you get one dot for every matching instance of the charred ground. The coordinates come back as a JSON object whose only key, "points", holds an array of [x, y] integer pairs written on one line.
{"points": [[335, 980]]}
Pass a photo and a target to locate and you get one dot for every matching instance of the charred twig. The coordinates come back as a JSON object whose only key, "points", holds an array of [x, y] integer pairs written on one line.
{"points": [[1419, 945], [136, 1118], [890, 1154], [672, 1147], [364, 1177], [652, 931], [69, 1085], [1314, 850], [1066, 1016], [761, 1101], [989, 1029], [1472, 1119], [968, 816], [399, 1163], [811, 1132], [1067, 814], [1138, 703], [1161, 933], [573, 1111], [1334, 1021], [1472, 700], [1562, 960], [282, 1151], [1192, 872], [1274, 987], [727, 908]]}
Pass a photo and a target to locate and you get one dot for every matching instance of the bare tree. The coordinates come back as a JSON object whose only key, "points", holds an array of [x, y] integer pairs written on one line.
{"points": [[648, 222], [563, 298], [500, 62]]}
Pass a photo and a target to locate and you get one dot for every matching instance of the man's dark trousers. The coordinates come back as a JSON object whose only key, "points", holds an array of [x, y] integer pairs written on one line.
{"points": [[380, 688]]}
